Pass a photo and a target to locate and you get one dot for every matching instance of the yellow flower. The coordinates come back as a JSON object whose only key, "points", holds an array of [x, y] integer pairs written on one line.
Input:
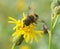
{"points": [[25, 47], [29, 33], [20, 5]]}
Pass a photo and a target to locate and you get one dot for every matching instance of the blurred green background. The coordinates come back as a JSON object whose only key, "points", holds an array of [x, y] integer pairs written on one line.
{"points": [[10, 8]]}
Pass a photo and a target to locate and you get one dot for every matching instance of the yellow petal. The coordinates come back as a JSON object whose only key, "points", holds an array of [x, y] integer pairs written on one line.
{"points": [[40, 33], [11, 22], [24, 35], [14, 34], [31, 39], [11, 18], [15, 27], [35, 37], [27, 38]]}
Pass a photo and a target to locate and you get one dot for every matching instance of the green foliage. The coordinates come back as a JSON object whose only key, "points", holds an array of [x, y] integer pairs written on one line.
{"points": [[8, 8]]}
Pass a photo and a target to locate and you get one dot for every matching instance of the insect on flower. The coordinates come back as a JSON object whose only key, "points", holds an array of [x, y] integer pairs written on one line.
{"points": [[25, 29], [30, 18]]}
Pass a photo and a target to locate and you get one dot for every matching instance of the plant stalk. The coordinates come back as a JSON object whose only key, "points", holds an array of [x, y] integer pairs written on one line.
{"points": [[50, 39]]}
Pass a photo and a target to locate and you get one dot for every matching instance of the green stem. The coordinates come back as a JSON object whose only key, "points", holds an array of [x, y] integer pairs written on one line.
{"points": [[13, 46], [51, 30], [50, 39], [53, 26], [50, 34]]}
